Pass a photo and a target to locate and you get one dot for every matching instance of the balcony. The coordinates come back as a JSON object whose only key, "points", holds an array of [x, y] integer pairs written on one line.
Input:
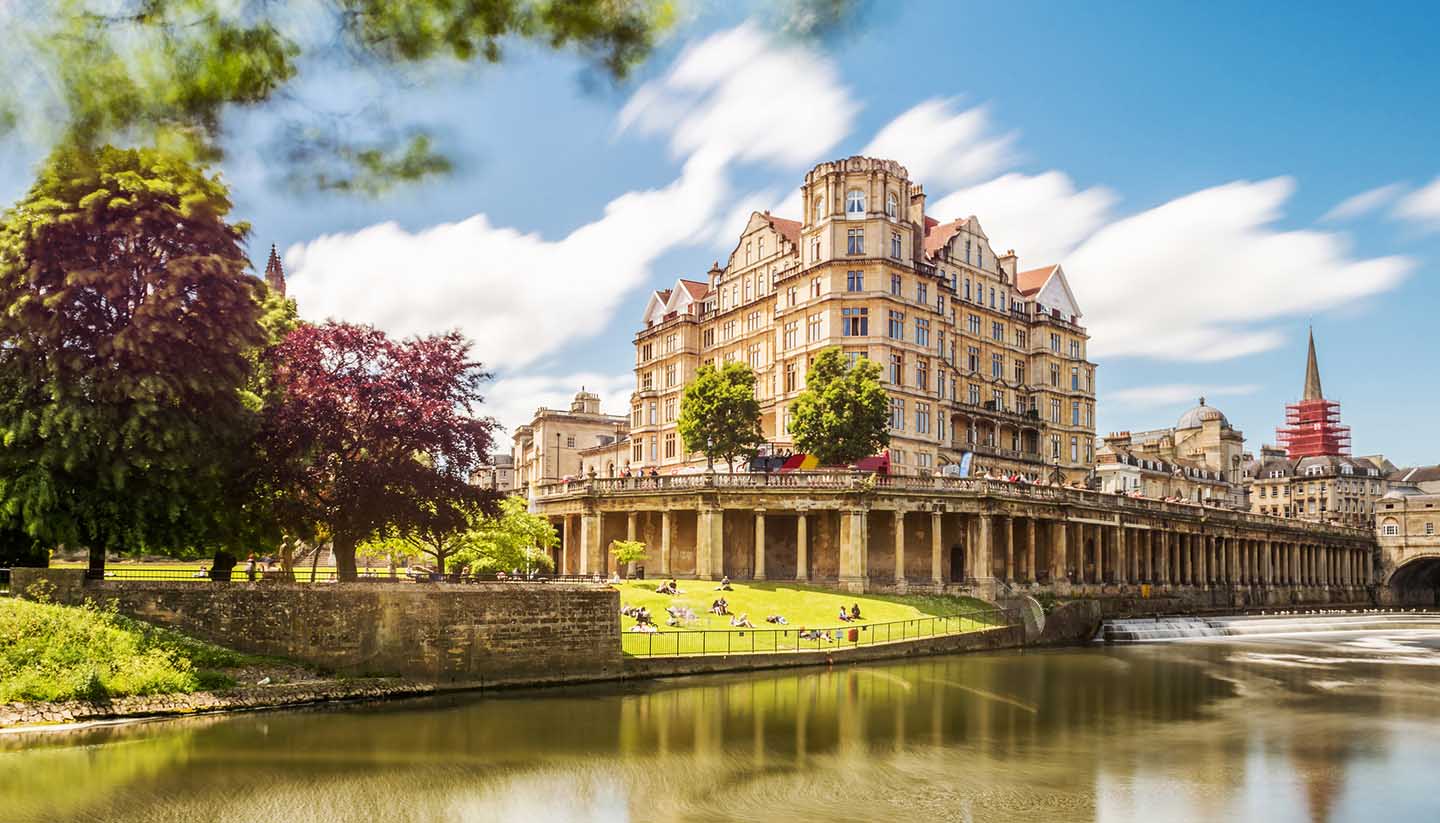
{"points": [[1000, 452], [1029, 418]]}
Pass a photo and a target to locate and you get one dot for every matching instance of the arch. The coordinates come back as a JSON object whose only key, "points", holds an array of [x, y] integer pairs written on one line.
{"points": [[1416, 582], [1390, 527], [892, 205]]}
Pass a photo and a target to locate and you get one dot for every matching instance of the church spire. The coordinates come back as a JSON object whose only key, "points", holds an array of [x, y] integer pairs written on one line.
{"points": [[275, 273], [1312, 374]]}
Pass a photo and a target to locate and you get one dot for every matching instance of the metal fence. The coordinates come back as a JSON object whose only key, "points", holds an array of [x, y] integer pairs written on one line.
{"points": [[327, 574], [793, 639]]}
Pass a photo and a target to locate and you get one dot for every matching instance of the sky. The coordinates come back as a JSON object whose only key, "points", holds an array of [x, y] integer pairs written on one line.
{"points": [[1214, 178]]}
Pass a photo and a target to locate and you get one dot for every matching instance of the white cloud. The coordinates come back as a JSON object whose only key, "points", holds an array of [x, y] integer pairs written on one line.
{"points": [[735, 96], [514, 400], [1170, 394], [1200, 277], [940, 146], [1422, 206], [1363, 203], [1043, 217]]}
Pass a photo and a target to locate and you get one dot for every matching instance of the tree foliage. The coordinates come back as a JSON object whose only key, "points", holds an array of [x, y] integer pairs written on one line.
{"points": [[366, 435], [168, 70], [719, 414], [626, 552], [128, 329], [512, 540], [843, 413]]}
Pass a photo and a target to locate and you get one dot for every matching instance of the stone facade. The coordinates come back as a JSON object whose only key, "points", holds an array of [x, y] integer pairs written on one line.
{"points": [[1407, 525], [955, 535], [482, 633], [977, 356], [550, 446], [1199, 460]]}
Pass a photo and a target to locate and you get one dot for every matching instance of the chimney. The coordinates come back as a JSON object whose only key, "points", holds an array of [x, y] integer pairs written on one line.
{"points": [[1008, 262], [917, 206]]}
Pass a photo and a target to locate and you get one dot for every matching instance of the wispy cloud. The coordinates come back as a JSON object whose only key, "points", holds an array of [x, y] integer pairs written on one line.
{"points": [[1363, 203], [1421, 207], [1170, 394], [941, 145]]}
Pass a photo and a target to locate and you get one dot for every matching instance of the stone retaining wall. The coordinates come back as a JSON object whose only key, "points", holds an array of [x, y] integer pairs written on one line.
{"points": [[480, 634]]}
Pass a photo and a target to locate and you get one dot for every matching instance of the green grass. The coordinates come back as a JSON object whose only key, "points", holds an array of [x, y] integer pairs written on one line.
{"points": [[886, 617], [50, 652]]}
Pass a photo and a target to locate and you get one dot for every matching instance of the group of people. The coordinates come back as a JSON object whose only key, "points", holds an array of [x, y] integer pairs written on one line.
{"points": [[720, 606], [817, 634], [640, 473], [852, 615], [680, 615], [668, 587], [644, 622]]}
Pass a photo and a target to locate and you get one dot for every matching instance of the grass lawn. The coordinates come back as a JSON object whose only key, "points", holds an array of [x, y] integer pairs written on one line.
{"points": [[802, 606], [50, 652]]}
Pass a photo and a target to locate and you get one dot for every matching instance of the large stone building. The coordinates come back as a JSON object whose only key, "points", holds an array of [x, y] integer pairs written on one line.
{"points": [[1314, 477], [1199, 460], [549, 447], [1407, 524], [498, 474], [977, 355]]}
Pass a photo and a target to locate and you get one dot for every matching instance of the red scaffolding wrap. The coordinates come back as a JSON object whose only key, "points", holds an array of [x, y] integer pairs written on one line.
{"points": [[1313, 429]]}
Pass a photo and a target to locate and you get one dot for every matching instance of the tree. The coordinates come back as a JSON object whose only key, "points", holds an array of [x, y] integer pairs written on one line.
{"points": [[514, 539], [719, 415], [367, 435], [843, 414], [170, 71], [626, 552], [128, 327]]}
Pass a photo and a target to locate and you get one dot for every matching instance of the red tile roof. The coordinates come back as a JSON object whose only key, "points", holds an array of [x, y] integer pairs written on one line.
{"points": [[1032, 281], [789, 229], [697, 290], [938, 234]]}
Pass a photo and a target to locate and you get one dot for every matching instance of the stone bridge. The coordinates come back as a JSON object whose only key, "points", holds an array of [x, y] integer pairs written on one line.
{"points": [[958, 535]]}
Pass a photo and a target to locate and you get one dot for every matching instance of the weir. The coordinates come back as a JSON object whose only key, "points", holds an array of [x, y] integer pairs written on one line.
{"points": [[1172, 628]]}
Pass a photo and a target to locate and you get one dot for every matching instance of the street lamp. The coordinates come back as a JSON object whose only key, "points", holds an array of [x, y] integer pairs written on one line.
{"points": [[709, 454]]}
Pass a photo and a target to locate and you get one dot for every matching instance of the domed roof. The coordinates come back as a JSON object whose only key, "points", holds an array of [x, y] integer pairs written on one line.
{"points": [[1198, 416]]}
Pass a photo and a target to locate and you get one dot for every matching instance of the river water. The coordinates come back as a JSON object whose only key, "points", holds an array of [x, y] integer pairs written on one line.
{"points": [[1340, 726]]}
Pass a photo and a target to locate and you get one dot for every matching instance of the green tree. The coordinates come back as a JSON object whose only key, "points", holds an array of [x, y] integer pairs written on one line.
{"points": [[514, 539], [719, 415], [128, 326], [626, 552], [844, 413]]}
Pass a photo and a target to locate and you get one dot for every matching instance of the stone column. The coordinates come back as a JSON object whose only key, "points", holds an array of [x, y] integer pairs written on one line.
{"points": [[759, 544], [1057, 551], [1187, 560], [665, 543], [802, 549], [900, 547], [1010, 550], [937, 547], [853, 538], [1202, 541], [567, 537], [1122, 554], [630, 532], [1147, 545], [985, 547], [589, 542], [1030, 575], [709, 543], [1100, 554]]}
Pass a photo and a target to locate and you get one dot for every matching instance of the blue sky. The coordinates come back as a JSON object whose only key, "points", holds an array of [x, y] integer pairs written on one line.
{"points": [[1184, 162]]}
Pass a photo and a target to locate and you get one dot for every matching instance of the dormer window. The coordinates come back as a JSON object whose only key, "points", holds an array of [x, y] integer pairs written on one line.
{"points": [[892, 206], [855, 203]]}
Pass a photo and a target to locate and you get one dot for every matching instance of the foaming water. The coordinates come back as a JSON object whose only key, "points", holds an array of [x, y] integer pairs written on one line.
{"points": [[1323, 726], [1166, 628]]}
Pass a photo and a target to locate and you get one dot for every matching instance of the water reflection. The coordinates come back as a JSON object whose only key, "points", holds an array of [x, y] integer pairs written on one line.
{"points": [[1315, 728]]}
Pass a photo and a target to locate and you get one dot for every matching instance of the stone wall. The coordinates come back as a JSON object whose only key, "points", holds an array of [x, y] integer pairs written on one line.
{"points": [[486, 634]]}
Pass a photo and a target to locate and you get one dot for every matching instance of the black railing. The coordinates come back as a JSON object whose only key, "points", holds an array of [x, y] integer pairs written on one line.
{"points": [[793, 639]]}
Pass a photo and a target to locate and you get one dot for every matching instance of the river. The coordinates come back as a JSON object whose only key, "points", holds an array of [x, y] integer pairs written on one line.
{"points": [[1341, 726]]}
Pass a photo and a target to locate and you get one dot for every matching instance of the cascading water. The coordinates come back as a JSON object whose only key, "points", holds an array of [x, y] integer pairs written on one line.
{"points": [[1168, 628]]}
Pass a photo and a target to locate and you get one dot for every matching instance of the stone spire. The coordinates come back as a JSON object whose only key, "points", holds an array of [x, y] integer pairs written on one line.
{"points": [[1312, 374], [275, 273]]}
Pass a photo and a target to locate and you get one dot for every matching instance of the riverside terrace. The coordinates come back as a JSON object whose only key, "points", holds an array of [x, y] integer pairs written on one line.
{"points": [[956, 535]]}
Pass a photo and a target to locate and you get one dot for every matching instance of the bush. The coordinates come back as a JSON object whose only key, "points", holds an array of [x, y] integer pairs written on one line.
{"points": [[50, 652]]}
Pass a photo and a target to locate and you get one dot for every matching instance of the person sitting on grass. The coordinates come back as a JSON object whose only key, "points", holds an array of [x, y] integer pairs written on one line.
{"points": [[720, 607], [844, 615], [855, 612], [777, 618], [724, 585], [742, 622]]}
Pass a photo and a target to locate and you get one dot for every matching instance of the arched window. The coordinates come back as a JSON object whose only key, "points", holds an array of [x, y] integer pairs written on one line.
{"points": [[819, 209], [1390, 527], [892, 206], [855, 203]]}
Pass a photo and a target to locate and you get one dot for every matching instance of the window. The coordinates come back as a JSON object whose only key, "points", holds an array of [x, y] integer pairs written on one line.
{"points": [[637, 451], [854, 281], [707, 338], [897, 369], [980, 264], [922, 418], [1074, 450], [570, 441], [815, 251], [1055, 343], [997, 331], [670, 445], [922, 331], [1054, 375], [646, 353], [815, 287], [922, 295], [635, 416], [812, 326], [672, 342], [967, 288], [922, 375], [897, 325], [1055, 446], [1390, 528], [654, 449], [752, 321], [790, 376], [1429, 527], [1075, 413], [1054, 411], [671, 376], [895, 244], [791, 335], [973, 395], [972, 357], [752, 357], [1075, 349], [1020, 338], [997, 366], [747, 290], [652, 408], [973, 324], [854, 322], [924, 460], [1075, 379], [897, 414], [1020, 372], [940, 304], [967, 260], [892, 206], [792, 295], [647, 381], [855, 241], [761, 247], [853, 357], [747, 251], [669, 409], [855, 203]]}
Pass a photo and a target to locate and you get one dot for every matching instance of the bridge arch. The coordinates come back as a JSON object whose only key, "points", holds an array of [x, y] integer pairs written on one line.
{"points": [[1416, 582]]}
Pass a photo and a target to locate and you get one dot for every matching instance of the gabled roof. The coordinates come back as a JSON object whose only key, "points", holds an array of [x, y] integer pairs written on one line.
{"points": [[938, 234], [789, 229], [697, 289], [1031, 282]]}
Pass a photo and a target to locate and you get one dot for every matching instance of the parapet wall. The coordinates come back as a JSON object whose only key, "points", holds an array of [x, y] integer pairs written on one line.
{"points": [[486, 633]]}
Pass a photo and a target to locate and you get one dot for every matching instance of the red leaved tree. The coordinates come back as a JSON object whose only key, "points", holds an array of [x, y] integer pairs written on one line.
{"points": [[365, 434]]}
